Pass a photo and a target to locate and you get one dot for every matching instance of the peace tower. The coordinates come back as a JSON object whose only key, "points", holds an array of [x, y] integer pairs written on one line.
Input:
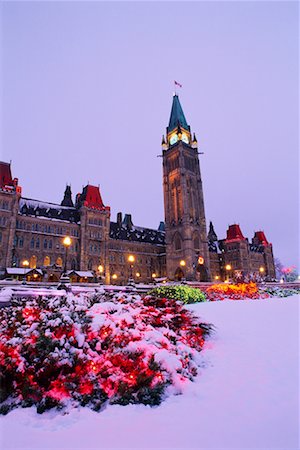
{"points": [[187, 253]]}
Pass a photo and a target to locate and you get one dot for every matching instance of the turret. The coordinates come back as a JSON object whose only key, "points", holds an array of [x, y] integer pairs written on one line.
{"points": [[67, 200]]}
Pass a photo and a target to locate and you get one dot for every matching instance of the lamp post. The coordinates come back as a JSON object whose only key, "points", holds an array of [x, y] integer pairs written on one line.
{"points": [[262, 271], [67, 242], [182, 265], [25, 264], [64, 279], [228, 268], [131, 260], [100, 270]]}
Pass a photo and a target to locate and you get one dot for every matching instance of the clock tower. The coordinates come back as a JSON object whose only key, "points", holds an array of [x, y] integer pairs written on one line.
{"points": [[187, 253]]}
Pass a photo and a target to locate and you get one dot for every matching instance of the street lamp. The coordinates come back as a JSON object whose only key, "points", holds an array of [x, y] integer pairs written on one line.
{"points": [[228, 268], [67, 242], [131, 260], [262, 271], [25, 264], [182, 264], [101, 270]]}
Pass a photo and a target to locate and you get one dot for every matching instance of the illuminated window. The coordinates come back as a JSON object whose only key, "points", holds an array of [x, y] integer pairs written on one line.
{"points": [[32, 262], [46, 261], [59, 261]]}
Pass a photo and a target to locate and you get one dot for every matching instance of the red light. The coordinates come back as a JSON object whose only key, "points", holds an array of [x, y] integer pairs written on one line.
{"points": [[200, 260]]}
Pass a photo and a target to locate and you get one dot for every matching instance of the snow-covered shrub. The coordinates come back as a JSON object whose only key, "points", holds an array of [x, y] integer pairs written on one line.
{"points": [[89, 350], [280, 292], [186, 294]]}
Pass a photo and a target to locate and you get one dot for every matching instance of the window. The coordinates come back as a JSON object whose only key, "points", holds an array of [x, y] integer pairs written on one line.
{"points": [[37, 243], [59, 261], [32, 262], [46, 261], [177, 243], [32, 243], [45, 244], [50, 243], [196, 243]]}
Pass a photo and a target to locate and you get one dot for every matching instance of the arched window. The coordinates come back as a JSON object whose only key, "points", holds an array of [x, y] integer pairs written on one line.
{"points": [[37, 243], [46, 261], [59, 261], [32, 262], [177, 242], [50, 243], [73, 264], [32, 243], [90, 264], [45, 244], [196, 243]]}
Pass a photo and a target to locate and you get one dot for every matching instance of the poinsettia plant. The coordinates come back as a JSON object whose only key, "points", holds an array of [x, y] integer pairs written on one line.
{"points": [[91, 350]]}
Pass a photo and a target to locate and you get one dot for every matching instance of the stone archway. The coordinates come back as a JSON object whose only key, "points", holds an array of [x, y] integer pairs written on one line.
{"points": [[179, 275], [202, 272]]}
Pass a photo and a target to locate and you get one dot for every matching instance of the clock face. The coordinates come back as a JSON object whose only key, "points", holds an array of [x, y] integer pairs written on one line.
{"points": [[173, 139], [185, 138]]}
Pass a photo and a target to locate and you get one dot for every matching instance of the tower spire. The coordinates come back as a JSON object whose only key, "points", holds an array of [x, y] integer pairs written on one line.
{"points": [[177, 117]]}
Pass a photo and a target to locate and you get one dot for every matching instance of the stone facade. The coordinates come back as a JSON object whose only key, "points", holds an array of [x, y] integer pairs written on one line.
{"points": [[32, 231]]}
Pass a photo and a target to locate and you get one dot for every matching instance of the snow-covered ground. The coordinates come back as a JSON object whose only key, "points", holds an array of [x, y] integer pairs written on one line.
{"points": [[246, 396]]}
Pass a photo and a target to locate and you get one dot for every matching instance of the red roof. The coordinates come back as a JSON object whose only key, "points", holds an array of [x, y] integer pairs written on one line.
{"points": [[261, 237], [234, 233], [5, 175], [91, 198]]}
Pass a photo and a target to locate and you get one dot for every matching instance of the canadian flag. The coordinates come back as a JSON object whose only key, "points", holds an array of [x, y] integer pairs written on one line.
{"points": [[177, 84]]}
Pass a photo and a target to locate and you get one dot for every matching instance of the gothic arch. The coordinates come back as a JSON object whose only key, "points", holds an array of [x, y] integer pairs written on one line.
{"points": [[177, 241], [196, 241], [179, 275]]}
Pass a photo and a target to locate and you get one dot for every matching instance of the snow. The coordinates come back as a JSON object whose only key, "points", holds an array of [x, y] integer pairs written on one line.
{"points": [[35, 204], [245, 396], [81, 273], [5, 295]]}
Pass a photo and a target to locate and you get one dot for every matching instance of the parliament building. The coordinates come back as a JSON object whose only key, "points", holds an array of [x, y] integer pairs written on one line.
{"points": [[32, 232]]}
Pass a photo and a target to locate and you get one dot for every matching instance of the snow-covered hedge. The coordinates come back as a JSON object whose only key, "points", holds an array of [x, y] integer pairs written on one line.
{"points": [[89, 350], [184, 293], [275, 291]]}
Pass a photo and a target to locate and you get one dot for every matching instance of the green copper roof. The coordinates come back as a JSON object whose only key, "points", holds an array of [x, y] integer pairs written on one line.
{"points": [[177, 116]]}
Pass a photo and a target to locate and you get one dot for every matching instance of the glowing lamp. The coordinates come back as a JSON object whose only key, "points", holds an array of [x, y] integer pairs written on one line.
{"points": [[201, 260], [101, 268], [114, 276], [217, 277], [131, 259], [25, 263], [228, 267], [182, 263], [138, 274], [35, 275], [261, 269], [154, 275], [67, 241]]}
